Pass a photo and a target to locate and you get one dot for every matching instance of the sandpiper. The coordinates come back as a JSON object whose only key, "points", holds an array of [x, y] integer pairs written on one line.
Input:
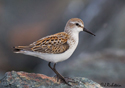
{"points": [[57, 47]]}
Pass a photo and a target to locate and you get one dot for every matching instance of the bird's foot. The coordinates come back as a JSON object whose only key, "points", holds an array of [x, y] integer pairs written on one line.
{"points": [[65, 80]]}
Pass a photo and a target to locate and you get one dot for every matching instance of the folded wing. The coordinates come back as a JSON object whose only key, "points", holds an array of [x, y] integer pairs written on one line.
{"points": [[55, 44]]}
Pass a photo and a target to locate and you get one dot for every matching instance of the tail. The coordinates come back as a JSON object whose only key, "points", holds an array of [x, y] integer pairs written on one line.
{"points": [[18, 49]]}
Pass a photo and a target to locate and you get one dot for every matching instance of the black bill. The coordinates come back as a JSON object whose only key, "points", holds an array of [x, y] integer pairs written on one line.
{"points": [[84, 29]]}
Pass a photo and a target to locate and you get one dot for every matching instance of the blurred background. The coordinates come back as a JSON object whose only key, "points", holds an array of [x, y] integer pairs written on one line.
{"points": [[100, 58]]}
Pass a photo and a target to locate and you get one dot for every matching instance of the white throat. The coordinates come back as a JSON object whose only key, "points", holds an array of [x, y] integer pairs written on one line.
{"points": [[74, 35]]}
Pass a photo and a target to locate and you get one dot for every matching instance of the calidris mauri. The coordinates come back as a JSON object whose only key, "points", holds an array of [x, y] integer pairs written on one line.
{"points": [[57, 47]]}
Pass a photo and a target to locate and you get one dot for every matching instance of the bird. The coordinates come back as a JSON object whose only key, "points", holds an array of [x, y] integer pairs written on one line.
{"points": [[57, 47]]}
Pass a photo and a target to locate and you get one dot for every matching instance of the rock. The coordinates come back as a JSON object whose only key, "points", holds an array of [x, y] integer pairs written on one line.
{"points": [[22, 79]]}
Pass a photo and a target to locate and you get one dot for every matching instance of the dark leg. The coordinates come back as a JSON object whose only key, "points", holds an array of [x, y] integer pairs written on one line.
{"points": [[50, 65], [58, 75]]}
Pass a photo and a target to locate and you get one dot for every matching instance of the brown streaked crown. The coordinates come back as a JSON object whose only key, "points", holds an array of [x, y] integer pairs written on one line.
{"points": [[75, 20], [73, 23]]}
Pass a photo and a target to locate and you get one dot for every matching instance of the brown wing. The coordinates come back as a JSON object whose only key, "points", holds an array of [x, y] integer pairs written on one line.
{"points": [[55, 44]]}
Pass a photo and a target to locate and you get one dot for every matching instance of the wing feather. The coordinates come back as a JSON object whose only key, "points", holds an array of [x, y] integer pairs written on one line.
{"points": [[55, 44]]}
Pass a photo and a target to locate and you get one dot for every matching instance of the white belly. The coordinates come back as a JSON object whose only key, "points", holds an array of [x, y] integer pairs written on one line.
{"points": [[52, 57]]}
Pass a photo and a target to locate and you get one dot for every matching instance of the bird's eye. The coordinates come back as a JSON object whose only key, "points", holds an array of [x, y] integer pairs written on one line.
{"points": [[77, 24]]}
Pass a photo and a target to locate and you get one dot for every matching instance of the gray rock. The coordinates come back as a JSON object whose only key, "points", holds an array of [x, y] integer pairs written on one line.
{"points": [[21, 79]]}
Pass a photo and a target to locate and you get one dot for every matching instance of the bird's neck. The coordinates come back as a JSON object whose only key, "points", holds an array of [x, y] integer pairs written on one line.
{"points": [[73, 37]]}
